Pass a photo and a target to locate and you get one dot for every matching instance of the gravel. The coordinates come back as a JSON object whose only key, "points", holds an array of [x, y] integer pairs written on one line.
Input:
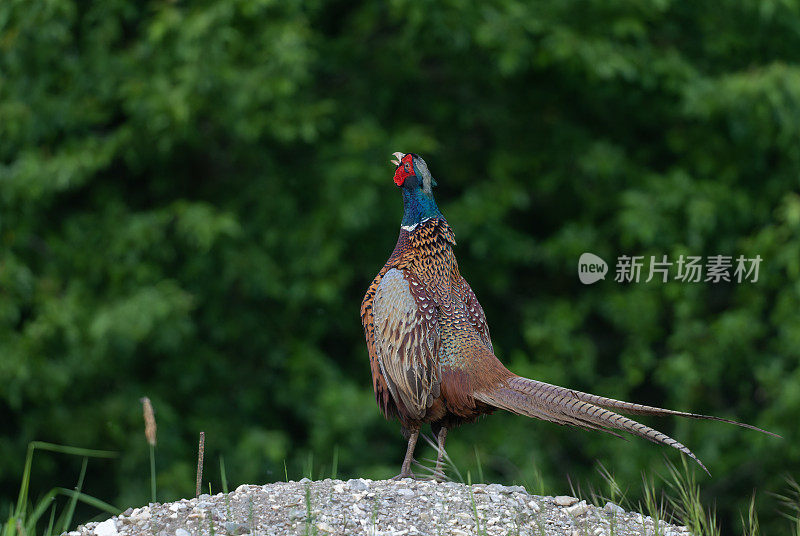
{"points": [[378, 508]]}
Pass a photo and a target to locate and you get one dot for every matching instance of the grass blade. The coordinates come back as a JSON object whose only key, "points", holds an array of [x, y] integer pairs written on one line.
{"points": [[222, 475], [49, 530], [91, 501], [687, 501], [335, 462], [479, 464], [74, 451], [152, 473], [32, 519], [22, 499], [74, 499]]}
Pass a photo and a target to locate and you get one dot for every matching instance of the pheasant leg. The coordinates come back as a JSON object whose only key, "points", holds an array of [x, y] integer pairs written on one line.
{"points": [[405, 469], [440, 438]]}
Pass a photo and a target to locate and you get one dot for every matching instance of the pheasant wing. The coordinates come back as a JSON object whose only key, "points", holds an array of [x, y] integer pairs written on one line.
{"points": [[407, 341], [382, 393]]}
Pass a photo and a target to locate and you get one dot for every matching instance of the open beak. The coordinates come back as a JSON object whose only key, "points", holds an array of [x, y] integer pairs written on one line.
{"points": [[398, 156]]}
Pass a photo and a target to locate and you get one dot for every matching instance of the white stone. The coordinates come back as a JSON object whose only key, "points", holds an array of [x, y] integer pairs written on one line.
{"points": [[577, 509], [533, 505], [324, 527], [358, 484], [612, 508], [565, 500], [143, 515], [106, 528], [405, 492], [182, 532]]}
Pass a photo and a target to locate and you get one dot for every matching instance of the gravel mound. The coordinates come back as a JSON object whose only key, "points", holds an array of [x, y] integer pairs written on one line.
{"points": [[377, 508]]}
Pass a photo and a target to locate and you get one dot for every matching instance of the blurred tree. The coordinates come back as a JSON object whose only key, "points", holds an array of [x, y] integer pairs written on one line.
{"points": [[194, 196]]}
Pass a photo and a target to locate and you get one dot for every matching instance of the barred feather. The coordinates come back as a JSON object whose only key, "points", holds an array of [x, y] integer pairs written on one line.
{"points": [[528, 385], [558, 405]]}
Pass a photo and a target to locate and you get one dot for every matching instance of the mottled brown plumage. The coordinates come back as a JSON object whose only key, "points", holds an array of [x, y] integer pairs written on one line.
{"points": [[430, 352]]}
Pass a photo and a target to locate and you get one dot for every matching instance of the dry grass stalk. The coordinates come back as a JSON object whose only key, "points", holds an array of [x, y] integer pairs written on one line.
{"points": [[200, 453], [149, 421]]}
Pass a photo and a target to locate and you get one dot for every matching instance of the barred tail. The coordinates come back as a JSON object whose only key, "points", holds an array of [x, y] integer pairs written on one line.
{"points": [[563, 406]]}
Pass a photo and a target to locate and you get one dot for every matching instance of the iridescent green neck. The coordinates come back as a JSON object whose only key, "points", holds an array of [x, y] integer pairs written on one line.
{"points": [[418, 206]]}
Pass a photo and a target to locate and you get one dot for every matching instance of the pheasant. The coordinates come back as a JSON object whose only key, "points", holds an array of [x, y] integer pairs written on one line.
{"points": [[429, 347]]}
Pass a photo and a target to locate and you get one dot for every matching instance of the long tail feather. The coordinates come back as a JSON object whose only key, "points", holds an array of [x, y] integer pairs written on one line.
{"points": [[530, 386], [562, 406]]}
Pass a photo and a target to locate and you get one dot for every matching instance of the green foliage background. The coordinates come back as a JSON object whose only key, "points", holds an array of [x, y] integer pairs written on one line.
{"points": [[195, 195]]}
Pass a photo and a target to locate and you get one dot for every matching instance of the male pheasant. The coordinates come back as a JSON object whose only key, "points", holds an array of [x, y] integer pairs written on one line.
{"points": [[429, 347]]}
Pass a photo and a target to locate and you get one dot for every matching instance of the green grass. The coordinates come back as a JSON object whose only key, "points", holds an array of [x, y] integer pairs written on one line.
{"points": [[678, 501], [308, 467], [224, 478], [152, 473], [479, 465], [479, 531], [613, 494], [790, 504], [310, 527], [335, 462], [251, 517], [750, 526], [654, 504], [685, 500], [535, 483], [211, 529], [373, 517], [25, 517]]}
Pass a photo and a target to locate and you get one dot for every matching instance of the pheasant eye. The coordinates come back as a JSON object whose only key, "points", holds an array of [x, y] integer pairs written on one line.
{"points": [[407, 167]]}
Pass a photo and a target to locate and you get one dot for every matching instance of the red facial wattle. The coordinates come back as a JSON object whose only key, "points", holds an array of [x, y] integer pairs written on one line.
{"points": [[404, 170]]}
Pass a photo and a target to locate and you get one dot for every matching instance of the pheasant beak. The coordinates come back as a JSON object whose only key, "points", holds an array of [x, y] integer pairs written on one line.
{"points": [[398, 156]]}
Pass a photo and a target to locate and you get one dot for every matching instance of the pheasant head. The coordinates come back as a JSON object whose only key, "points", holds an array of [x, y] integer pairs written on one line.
{"points": [[416, 183], [412, 172]]}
